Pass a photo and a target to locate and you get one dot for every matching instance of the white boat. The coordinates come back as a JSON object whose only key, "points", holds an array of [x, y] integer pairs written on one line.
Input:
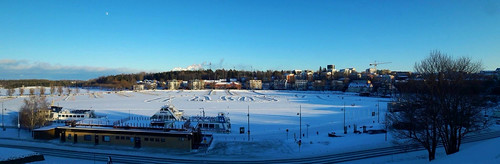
{"points": [[219, 123]]}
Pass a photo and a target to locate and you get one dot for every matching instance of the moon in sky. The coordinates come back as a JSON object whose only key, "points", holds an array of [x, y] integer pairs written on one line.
{"points": [[107, 13]]}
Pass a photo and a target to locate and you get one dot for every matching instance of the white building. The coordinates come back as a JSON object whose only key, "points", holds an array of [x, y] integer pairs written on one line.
{"points": [[255, 84]]}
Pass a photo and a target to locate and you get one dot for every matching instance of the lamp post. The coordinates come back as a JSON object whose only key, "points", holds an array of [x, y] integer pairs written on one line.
{"points": [[18, 124], [248, 110], [300, 121], [345, 128], [3, 124]]}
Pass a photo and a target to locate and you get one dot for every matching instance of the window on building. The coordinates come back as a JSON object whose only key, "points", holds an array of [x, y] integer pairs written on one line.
{"points": [[146, 139], [69, 136], [105, 138], [163, 140], [117, 137], [157, 140], [87, 138], [122, 137], [211, 126], [128, 138]]}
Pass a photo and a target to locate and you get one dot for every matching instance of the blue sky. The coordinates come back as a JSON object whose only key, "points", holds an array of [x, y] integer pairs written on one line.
{"points": [[77, 39]]}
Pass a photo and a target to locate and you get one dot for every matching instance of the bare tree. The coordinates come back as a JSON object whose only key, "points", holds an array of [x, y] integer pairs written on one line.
{"points": [[456, 92], [42, 91], [68, 89], [32, 91], [60, 90], [21, 91], [443, 105], [34, 112], [10, 91], [417, 121], [52, 89]]}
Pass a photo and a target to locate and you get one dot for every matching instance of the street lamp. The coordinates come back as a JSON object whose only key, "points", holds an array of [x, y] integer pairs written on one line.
{"points": [[345, 127], [300, 122], [3, 124], [248, 110]]}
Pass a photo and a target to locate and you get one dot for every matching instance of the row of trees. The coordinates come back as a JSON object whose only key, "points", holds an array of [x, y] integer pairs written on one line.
{"points": [[42, 90], [443, 106]]}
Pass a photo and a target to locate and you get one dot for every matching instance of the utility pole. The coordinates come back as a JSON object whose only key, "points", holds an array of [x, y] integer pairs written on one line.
{"points": [[248, 110]]}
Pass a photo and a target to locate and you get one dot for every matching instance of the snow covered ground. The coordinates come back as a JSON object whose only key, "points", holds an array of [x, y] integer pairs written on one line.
{"points": [[271, 113], [484, 152], [10, 154]]}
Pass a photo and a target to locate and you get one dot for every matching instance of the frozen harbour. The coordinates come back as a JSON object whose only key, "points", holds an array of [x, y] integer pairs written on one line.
{"points": [[271, 113]]}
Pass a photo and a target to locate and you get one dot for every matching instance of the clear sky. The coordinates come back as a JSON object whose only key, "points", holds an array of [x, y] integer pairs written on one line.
{"points": [[84, 39]]}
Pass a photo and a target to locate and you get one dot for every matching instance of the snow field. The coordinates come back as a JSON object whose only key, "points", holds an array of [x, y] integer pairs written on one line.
{"points": [[271, 113]]}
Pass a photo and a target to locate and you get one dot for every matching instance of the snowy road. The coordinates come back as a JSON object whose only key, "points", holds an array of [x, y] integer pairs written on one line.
{"points": [[332, 158]]}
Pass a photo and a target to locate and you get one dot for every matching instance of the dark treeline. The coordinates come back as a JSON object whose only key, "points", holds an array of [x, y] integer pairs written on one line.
{"points": [[36, 82]]}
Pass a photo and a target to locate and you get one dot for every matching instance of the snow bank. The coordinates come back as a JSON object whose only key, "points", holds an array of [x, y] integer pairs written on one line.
{"points": [[18, 155]]}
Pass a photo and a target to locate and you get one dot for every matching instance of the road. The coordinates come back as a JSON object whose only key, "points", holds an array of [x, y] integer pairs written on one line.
{"points": [[332, 158]]}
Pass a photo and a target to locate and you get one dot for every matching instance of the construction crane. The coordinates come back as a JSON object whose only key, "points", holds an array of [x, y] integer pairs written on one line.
{"points": [[374, 64]]}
